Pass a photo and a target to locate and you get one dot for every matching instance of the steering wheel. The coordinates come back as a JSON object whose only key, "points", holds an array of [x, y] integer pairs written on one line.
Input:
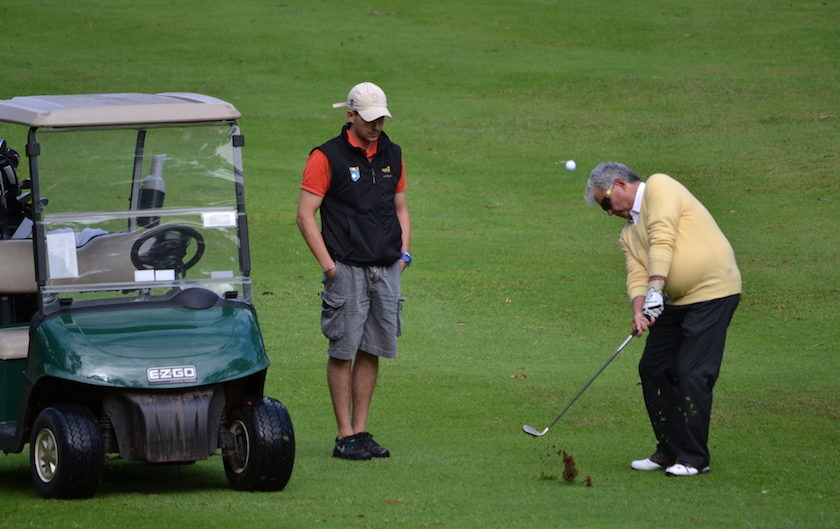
{"points": [[167, 247]]}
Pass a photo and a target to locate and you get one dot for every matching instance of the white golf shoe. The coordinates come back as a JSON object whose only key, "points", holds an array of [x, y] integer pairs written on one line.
{"points": [[681, 469], [645, 464], [657, 461]]}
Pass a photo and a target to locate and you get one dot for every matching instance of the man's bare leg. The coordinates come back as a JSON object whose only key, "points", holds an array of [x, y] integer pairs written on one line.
{"points": [[339, 379], [365, 371]]}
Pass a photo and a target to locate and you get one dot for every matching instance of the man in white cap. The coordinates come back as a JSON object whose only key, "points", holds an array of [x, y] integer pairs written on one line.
{"points": [[357, 182]]}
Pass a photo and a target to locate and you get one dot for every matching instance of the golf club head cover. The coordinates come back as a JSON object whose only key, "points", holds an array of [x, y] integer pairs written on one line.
{"points": [[654, 304]]}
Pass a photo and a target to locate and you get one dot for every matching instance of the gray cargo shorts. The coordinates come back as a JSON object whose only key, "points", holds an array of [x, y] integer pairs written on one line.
{"points": [[360, 310]]}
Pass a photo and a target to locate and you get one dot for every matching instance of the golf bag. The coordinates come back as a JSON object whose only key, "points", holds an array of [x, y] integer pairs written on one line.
{"points": [[11, 207], [14, 308]]}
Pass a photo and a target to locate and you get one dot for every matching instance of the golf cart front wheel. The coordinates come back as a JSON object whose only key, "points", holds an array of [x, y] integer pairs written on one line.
{"points": [[263, 451], [66, 453]]}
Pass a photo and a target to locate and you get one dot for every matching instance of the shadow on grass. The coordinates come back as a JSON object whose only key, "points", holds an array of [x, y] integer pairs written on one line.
{"points": [[14, 475], [144, 478], [122, 477]]}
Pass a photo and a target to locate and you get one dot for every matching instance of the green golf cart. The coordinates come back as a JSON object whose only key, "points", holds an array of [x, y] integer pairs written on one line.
{"points": [[127, 328]]}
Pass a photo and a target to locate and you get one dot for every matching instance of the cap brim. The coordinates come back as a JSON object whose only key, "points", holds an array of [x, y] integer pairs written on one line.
{"points": [[372, 114]]}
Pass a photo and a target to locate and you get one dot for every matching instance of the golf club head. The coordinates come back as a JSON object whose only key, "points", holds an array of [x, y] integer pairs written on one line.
{"points": [[530, 430]]}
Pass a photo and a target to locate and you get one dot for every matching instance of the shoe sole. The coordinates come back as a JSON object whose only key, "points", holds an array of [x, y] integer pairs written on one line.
{"points": [[699, 473], [346, 458]]}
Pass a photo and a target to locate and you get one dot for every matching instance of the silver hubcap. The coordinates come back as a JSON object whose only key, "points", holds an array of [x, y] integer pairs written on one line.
{"points": [[239, 459], [46, 455]]}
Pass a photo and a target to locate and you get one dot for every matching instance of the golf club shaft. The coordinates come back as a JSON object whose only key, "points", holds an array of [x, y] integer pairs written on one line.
{"points": [[591, 380]]}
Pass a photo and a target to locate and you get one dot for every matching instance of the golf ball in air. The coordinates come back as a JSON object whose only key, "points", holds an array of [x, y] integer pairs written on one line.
{"points": [[570, 165]]}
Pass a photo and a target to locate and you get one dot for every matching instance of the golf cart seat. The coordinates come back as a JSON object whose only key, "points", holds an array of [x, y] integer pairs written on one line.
{"points": [[103, 259], [14, 343], [17, 267]]}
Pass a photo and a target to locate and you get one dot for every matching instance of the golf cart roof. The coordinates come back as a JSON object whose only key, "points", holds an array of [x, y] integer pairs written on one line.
{"points": [[86, 110]]}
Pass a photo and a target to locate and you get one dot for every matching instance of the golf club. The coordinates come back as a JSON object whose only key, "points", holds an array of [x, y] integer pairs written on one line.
{"points": [[530, 430]]}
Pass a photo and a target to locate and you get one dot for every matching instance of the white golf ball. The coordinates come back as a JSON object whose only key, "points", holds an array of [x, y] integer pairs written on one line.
{"points": [[570, 165]]}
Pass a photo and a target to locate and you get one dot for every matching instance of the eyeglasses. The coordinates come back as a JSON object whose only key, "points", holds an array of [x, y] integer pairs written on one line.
{"points": [[606, 202]]}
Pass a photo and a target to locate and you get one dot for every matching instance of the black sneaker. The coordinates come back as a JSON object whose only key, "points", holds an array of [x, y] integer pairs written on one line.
{"points": [[372, 447], [352, 447]]}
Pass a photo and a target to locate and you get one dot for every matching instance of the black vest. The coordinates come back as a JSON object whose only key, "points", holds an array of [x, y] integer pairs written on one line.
{"points": [[358, 218]]}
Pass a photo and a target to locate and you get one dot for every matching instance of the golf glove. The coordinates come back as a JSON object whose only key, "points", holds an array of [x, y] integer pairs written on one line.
{"points": [[654, 304]]}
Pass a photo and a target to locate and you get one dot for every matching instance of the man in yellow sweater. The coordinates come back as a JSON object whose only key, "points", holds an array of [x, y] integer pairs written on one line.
{"points": [[684, 287]]}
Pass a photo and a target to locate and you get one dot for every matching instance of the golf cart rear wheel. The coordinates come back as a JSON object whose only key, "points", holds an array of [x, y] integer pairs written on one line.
{"points": [[66, 453], [264, 446]]}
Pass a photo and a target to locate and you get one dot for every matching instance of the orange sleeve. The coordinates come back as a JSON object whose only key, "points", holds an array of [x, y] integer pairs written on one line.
{"points": [[316, 174], [401, 184]]}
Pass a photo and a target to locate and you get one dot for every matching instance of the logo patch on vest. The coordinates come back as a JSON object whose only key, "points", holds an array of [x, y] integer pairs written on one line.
{"points": [[354, 174], [386, 171]]}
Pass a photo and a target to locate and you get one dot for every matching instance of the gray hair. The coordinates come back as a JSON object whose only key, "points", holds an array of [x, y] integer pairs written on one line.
{"points": [[603, 176]]}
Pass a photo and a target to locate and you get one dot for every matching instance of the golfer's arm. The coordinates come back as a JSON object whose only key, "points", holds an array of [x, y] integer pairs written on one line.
{"points": [[637, 304], [308, 204], [401, 205]]}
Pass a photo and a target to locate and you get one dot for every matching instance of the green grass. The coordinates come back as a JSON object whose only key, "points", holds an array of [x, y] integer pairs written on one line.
{"points": [[513, 274]]}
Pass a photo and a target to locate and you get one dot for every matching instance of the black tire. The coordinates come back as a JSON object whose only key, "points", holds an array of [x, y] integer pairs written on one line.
{"points": [[66, 453], [264, 452]]}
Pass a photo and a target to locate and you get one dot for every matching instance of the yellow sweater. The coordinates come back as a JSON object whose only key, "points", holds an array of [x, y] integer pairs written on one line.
{"points": [[676, 237]]}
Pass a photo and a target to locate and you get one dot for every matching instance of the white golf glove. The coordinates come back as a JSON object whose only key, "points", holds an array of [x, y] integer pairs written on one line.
{"points": [[654, 304]]}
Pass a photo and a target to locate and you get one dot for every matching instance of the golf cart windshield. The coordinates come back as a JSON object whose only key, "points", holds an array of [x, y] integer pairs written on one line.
{"points": [[137, 213]]}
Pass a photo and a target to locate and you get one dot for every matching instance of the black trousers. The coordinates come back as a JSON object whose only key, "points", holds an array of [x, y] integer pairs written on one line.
{"points": [[678, 369]]}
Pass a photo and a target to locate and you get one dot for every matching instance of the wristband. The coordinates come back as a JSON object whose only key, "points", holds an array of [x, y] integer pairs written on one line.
{"points": [[406, 257], [329, 269]]}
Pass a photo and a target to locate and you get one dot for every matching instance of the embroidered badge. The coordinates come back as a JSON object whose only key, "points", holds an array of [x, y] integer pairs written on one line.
{"points": [[386, 171], [354, 174]]}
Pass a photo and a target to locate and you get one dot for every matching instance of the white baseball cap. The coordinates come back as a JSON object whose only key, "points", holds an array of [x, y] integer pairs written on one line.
{"points": [[368, 100]]}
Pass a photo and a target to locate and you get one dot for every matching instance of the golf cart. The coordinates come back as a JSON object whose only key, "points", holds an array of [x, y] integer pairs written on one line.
{"points": [[127, 328]]}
